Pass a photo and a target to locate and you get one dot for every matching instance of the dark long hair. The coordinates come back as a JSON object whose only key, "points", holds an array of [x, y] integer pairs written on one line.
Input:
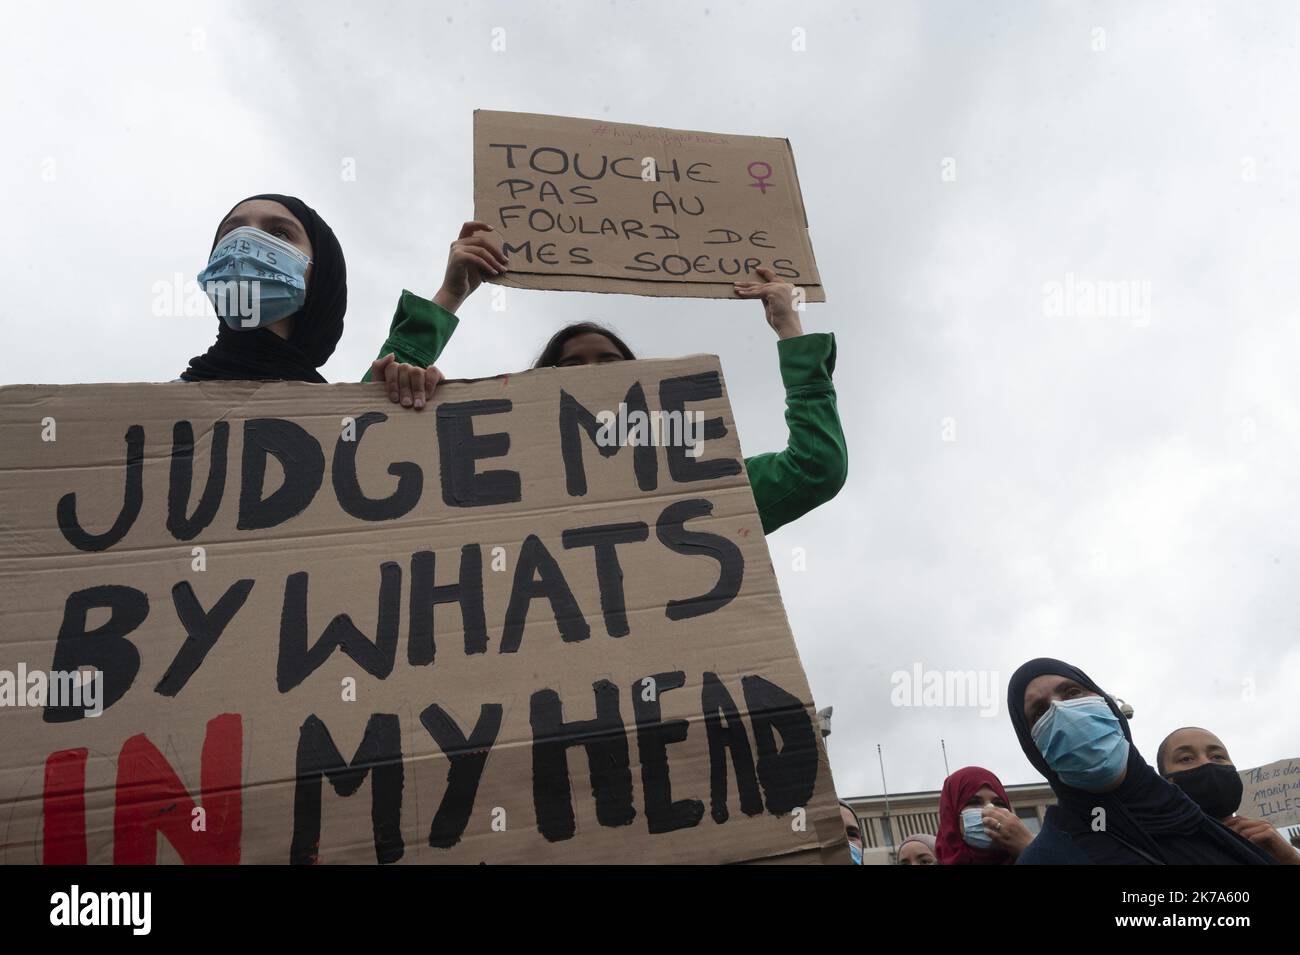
{"points": [[550, 355]]}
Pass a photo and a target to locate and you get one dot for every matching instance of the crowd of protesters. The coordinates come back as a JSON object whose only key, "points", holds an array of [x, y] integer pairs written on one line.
{"points": [[1112, 806]]}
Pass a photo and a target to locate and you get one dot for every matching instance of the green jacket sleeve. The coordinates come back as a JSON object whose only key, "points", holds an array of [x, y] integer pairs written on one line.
{"points": [[419, 332], [812, 468]]}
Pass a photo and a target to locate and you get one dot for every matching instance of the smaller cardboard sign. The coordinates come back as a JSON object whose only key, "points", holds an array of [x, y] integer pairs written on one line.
{"points": [[1272, 793], [591, 206]]}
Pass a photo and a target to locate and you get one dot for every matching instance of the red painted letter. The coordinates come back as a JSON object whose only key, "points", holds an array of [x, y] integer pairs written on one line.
{"points": [[64, 841], [151, 799]]}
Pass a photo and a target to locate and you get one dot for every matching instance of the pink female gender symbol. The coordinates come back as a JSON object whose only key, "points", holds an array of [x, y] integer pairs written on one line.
{"points": [[760, 180]]}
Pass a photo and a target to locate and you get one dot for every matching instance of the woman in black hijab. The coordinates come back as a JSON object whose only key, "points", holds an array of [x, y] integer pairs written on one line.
{"points": [[1112, 808], [293, 347]]}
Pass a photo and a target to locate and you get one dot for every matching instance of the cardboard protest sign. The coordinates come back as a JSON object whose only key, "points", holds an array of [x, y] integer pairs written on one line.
{"points": [[1272, 793], [591, 206], [536, 622]]}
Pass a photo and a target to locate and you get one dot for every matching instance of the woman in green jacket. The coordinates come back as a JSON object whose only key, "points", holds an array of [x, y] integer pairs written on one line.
{"points": [[786, 484]]}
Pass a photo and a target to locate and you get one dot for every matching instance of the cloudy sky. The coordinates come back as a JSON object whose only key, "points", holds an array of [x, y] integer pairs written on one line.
{"points": [[1118, 490]]}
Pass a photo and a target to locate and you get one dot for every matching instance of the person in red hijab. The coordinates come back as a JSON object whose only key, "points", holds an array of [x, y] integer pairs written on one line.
{"points": [[976, 823]]}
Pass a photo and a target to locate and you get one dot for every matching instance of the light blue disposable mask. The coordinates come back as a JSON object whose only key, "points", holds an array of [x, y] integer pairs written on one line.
{"points": [[255, 279], [1083, 743], [972, 828], [856, 854]]}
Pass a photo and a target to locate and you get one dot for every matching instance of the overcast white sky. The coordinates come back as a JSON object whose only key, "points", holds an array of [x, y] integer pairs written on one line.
{"points": [[1122, 491]]}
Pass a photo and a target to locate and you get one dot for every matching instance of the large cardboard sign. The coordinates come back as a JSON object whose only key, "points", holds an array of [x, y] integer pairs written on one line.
{"points": [[1272, 793], [592, 206], [534, 623]]}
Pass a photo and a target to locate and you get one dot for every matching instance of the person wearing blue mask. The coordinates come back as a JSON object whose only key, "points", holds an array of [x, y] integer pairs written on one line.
{"points": [[1112, 808], [852, 829], [976, 823], [277, 279]]}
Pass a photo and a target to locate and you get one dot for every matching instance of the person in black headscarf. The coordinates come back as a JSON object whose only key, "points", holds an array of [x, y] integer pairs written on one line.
{"points": [[277, 278], [1112, 808]]}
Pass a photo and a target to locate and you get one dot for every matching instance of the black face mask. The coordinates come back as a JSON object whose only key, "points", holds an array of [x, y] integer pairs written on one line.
{"points": [[1215, 787]]}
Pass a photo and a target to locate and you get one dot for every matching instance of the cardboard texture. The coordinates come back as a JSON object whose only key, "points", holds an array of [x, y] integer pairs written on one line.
{"points": [[576, 211], [378, 669], [1272, 793]]}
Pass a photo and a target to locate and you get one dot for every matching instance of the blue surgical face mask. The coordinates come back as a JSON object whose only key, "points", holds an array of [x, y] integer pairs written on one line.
{"points": [[255, 279], [856, 853], [972, 828], [1083, 743]]}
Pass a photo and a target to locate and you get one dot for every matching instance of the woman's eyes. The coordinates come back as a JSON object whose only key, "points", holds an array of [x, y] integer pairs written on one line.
{"points": [[279, 233]]}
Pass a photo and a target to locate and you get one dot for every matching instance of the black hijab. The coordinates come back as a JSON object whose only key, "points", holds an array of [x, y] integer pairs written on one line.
{"points": [[260, 354], [1147, 818]]}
